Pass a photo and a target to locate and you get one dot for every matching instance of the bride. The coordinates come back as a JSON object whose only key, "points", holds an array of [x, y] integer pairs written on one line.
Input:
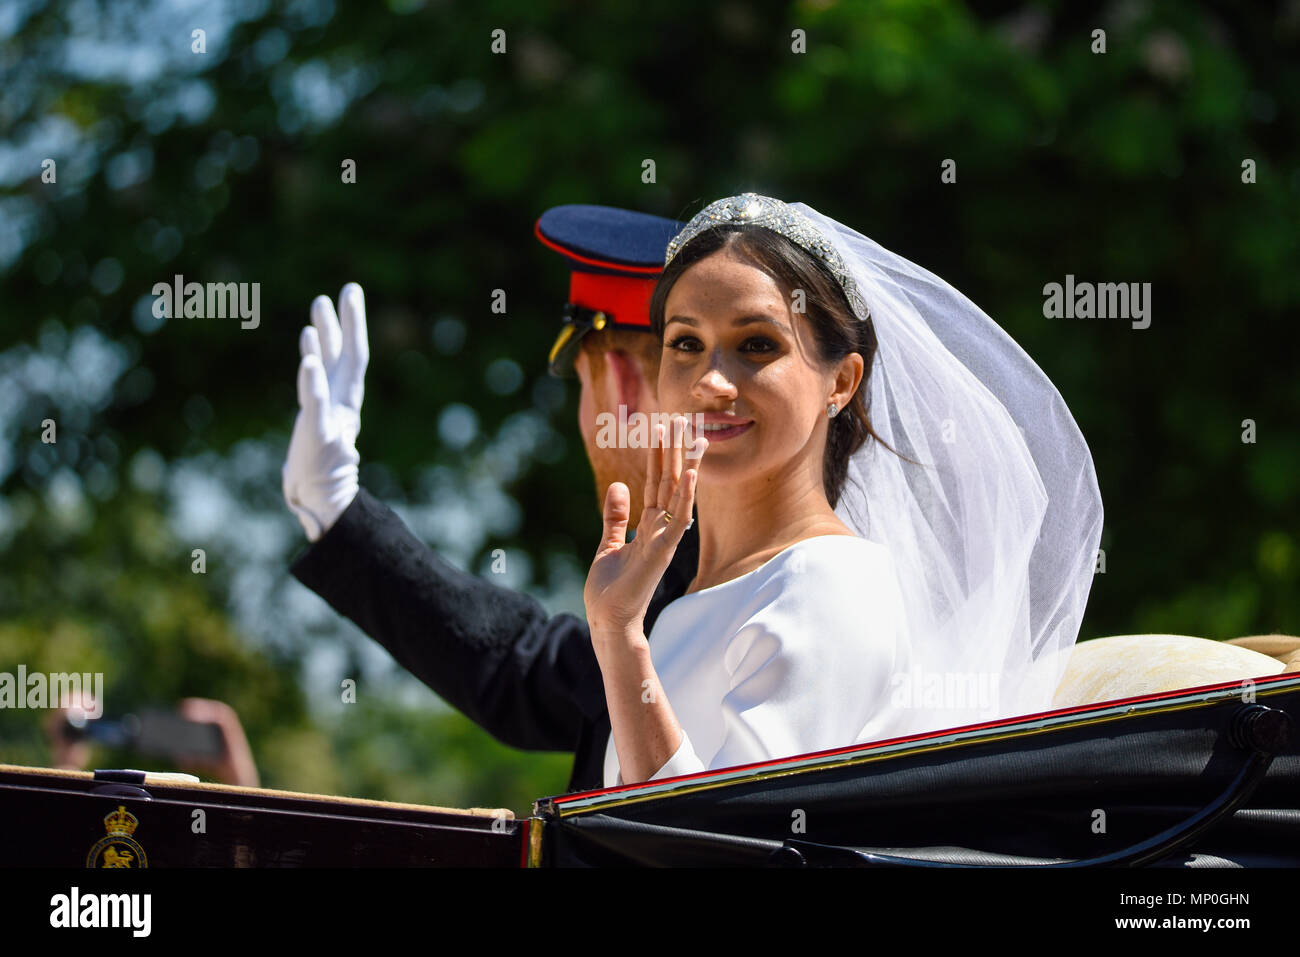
{"points": [[898, 515]]}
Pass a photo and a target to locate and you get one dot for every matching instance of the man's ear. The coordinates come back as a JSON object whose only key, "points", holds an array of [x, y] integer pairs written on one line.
{"points": [[627, 379]]}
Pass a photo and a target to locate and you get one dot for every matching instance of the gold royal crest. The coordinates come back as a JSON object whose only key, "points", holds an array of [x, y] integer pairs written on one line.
{"points": [[119, 849]]}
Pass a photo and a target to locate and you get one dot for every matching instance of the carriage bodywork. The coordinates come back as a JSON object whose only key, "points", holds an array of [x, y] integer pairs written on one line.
{"points": [[1199, 777], [1206, 776]]}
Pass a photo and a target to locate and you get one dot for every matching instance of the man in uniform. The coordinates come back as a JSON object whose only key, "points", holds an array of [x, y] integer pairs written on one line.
{"points": [[530, 679]]}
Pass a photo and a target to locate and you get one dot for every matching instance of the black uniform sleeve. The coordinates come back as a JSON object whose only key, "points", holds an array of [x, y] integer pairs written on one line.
{"points": [[531, 680]]}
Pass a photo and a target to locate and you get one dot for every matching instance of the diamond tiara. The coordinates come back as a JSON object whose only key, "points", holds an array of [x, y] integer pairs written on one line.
{"points": [[750, 209]]}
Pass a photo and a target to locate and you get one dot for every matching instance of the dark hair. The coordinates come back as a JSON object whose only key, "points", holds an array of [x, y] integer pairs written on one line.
{"points": [[836, 330], [633, 342]]}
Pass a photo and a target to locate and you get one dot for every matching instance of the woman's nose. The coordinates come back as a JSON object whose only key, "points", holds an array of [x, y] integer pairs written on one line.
{"points": [[714, 382]]}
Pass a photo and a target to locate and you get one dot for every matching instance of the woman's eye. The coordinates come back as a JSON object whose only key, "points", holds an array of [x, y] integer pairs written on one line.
{"points": [[757, 344]]}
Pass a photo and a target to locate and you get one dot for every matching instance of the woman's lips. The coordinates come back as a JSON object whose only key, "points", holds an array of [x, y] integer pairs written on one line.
{"points": [[721, 435]]}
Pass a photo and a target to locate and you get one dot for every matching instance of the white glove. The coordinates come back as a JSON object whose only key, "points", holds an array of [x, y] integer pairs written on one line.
{"points": [[320, 472]]}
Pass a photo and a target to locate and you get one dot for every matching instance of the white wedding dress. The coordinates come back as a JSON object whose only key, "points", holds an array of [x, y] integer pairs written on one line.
{"points": [[797, 655]]}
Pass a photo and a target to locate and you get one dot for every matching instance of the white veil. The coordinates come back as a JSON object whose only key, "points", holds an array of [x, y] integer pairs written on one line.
{"points": [[995, 539], [996, 545]]}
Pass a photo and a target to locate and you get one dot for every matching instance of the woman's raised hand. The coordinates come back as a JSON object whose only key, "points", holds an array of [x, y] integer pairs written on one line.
{"points": [[624, 574]]}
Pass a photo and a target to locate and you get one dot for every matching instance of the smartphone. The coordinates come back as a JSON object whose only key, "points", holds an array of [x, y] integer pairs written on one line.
{"points": [[156, 732], [167, 733]]}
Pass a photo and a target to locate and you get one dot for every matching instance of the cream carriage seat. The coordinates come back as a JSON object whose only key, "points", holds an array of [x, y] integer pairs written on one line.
{"points": [[1123, 666]]}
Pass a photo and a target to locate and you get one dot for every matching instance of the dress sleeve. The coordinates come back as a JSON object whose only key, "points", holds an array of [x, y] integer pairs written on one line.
{"points": [[683, 761], [813, 666]]}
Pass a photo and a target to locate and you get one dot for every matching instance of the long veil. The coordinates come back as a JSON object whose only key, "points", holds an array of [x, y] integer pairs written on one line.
{"points": [[995, 535]]}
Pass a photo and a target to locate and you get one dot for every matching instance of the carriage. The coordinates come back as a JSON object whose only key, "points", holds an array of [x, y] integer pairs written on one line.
{"points": [[1202, 776]]}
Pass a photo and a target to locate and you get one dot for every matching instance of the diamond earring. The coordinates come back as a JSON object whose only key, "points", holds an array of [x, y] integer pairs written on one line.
{"points": [[832, 411]]}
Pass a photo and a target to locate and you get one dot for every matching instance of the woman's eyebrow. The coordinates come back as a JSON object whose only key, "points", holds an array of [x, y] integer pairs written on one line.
{"points": [[740, 321], [747, 320]]}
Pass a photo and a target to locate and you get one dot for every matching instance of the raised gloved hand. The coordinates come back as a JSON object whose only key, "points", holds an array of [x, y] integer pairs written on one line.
{"points": [[320, 471]]}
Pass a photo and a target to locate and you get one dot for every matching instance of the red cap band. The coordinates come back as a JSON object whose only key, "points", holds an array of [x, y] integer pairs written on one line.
{"points": [[626, 300]]}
